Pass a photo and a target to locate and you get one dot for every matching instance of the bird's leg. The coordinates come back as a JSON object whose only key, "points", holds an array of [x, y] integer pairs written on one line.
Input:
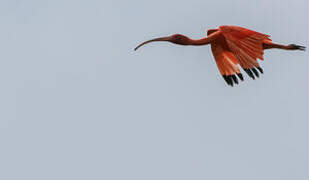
{"points": [[270, 45]]}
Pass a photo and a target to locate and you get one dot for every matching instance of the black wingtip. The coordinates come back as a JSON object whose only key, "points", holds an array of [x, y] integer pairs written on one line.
{"points": [[255, 72], [249, 72], [234, 79], [260, 69], [228, 80], [240, 76]]}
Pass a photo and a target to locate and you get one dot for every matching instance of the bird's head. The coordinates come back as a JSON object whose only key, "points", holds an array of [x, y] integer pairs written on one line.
{"points": [[175, 38]]}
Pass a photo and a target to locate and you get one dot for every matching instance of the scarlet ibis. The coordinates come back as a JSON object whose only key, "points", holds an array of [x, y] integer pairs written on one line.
{"points": [[232, 45]]}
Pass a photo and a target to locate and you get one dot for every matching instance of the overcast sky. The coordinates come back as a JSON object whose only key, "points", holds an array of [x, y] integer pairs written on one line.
{"points": [[78, 103]]}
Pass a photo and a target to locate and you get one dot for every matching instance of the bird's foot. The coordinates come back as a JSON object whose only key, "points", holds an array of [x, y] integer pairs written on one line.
{"points": [[297, 47]]}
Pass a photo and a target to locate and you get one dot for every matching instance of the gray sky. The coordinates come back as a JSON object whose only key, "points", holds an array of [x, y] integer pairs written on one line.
{"points": [[78, 103]]}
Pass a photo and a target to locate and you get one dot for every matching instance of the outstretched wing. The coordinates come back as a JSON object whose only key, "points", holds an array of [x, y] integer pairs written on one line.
{"points": [[226, 61], [247, 46]]}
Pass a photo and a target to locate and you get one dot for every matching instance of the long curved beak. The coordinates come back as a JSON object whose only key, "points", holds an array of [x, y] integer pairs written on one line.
{"points": [[152, 40]]}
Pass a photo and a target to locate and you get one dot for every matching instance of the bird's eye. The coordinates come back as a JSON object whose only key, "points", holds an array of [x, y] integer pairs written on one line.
{"points": [[177, 37]]}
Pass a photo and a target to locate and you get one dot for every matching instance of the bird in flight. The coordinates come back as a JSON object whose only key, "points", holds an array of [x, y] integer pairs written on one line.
{"points": [[232, 46]]}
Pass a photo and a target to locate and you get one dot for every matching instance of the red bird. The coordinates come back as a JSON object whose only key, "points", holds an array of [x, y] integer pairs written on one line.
{"points": [[232, 45]]}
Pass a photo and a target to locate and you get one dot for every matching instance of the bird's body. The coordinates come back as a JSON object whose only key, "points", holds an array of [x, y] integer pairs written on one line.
{"points": [[233, 46]]}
